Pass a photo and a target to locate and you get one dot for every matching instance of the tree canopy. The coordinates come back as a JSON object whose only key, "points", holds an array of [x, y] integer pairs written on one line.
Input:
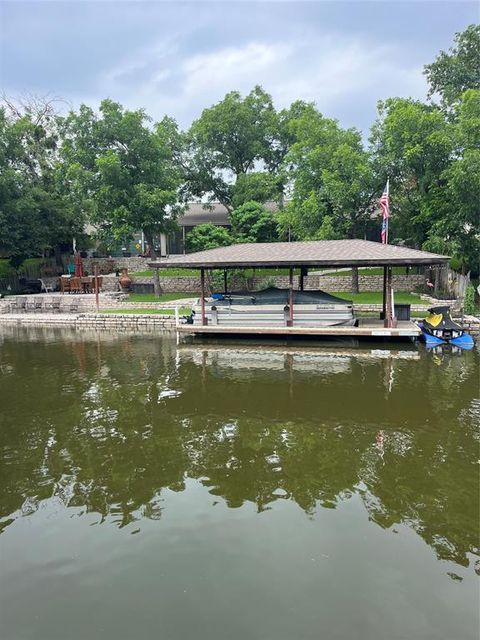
{"points": [[458, 70], [208, 236], [120, 171]]}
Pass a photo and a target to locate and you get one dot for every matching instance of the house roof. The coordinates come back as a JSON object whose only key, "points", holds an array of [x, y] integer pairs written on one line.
{"points": [[212, 212], [321, 253]]}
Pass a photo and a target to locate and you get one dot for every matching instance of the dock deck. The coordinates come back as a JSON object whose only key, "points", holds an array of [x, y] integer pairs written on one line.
{"points": [[368, 327]]}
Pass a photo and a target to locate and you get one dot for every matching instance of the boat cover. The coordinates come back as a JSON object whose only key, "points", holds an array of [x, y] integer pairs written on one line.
{"points": [[273, 295]]}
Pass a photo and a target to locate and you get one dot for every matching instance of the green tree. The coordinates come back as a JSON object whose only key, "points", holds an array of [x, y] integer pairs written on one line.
{"points": [[331, 176], [34, 214], [455, 207], [259, 186], [411, 145], [125, 168], [233, 138], [454, 72], [252, 222], [208, 236]]}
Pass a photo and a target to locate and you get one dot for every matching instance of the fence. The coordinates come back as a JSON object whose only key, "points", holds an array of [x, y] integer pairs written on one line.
{"points": [[14, 281]]}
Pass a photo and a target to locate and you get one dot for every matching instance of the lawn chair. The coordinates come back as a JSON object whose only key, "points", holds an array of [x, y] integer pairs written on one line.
{"points": [[45, 287]]}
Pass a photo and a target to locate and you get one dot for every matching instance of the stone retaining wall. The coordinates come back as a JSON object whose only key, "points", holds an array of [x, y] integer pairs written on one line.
{"points": [[92, 320], [110, 265], [325, 283], [189, 284]]}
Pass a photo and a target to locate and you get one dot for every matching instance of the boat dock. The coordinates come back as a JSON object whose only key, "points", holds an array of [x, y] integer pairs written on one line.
{"points": [[367, 328], [291, 314]]}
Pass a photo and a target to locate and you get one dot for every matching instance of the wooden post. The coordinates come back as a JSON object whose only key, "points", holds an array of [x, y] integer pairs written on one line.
{"points": [[183, 239], [355, 287], [389, 311], [202, 280], [95, 270], [225, 288], [385, 293], [290, 298], [303, 273]]}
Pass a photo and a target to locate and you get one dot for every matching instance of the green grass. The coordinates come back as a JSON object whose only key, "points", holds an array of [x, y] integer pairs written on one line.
{"points": [[370, 271], [165, 297], [171, 273], [376, 297], [366, 297], [139, 311]]}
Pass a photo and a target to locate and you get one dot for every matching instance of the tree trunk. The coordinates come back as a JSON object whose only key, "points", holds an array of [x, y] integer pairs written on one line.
{"points": [[153, 254], [355, 287]]}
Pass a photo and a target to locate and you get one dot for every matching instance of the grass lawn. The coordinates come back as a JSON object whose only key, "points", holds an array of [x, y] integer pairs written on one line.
{"points": [[139, 311], [165, 297], [367, 297], [165, 273], [376, 297], [371, 271]]}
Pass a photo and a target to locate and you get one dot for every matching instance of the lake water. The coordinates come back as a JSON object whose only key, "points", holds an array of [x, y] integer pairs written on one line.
{"points": [[236, 491]]}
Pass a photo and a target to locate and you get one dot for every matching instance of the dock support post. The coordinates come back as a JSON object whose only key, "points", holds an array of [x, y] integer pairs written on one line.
{"points": [[385, 269], [303, 273], [95, 270], [388, 299], [290, 298], [225, 288], [202, 303]]}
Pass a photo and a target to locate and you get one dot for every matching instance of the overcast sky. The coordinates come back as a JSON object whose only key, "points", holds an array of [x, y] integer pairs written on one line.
{"points": [[180, 57]]}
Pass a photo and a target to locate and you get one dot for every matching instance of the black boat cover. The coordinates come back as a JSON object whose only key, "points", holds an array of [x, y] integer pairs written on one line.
{"points": [[273, 295]]}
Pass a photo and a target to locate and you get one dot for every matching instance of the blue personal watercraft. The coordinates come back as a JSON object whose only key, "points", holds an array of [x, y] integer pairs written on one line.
{"points": [[439, 328]]}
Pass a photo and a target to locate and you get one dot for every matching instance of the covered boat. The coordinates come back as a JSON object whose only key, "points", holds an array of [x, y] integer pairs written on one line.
{"points": [[271, 307], [439, 328]]}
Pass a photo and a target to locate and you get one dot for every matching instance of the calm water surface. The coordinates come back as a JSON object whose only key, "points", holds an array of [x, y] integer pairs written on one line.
{"points": [[236, 492]]}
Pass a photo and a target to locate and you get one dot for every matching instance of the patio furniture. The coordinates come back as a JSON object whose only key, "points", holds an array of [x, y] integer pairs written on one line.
{"points": [[18, 305], [86, 285], [76, 285], [65, 284], [45, 287]]}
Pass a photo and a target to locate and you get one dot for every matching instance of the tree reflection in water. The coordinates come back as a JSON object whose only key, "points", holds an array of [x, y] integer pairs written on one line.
{"points": [[107, 423]]}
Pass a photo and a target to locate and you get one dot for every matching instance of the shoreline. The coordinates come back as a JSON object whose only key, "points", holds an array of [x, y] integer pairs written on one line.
{"points": [[92, 320], [129, 321]]}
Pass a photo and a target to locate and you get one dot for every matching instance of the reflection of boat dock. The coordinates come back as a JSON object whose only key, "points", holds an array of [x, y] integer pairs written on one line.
{"points": [[367, 328], [247, 358]]}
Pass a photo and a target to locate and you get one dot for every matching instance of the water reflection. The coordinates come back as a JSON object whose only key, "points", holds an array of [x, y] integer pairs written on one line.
{"points": [[106, 423]]}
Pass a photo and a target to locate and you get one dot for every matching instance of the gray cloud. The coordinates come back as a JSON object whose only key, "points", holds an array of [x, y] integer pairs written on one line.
{"points": [[179, 58]]}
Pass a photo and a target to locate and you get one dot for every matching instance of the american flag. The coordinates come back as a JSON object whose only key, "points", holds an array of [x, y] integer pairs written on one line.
{"points": [[385, 207]]}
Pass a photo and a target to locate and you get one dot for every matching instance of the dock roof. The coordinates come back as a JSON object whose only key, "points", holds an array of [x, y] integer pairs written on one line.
{"points": [[318, 253]]}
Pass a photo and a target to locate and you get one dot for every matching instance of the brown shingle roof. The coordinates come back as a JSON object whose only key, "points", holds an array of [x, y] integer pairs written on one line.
{"points": [[322, 253]]}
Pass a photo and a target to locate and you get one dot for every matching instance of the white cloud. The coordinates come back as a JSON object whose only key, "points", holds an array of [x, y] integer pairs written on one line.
{"points": [[344, 76]]}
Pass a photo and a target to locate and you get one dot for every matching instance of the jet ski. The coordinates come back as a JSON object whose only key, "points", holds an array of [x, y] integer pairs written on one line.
{"points": [[439, 328]]}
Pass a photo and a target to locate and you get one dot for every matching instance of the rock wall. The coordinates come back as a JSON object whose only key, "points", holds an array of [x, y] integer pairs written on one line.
{"points": [[110, 265], [191, 284]]}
